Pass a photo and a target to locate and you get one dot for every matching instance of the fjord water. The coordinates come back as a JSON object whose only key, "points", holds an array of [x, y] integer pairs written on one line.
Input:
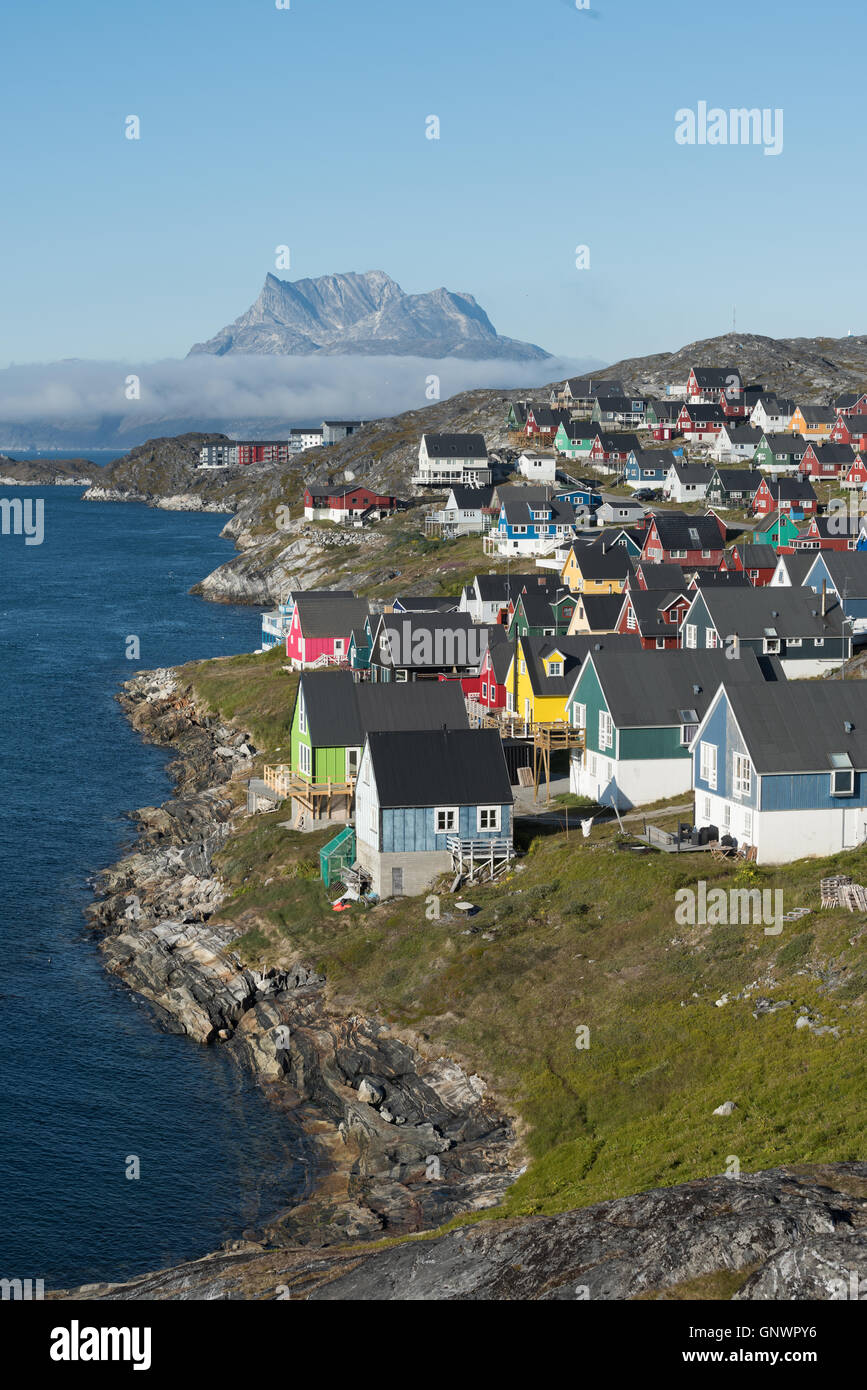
{"points": [[86, 1077]]}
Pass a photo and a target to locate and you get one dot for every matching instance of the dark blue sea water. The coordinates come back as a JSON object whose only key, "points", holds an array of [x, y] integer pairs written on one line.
{"points": [[86, 1076]]}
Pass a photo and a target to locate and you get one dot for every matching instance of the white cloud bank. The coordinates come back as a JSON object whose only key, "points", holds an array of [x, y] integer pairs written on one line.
{"points": [[210, 391]]}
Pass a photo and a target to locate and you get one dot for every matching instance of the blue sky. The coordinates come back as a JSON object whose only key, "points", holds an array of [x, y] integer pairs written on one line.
{"points": [[306, 126]]}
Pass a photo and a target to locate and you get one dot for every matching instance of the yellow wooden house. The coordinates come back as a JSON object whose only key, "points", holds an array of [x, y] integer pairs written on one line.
{"points": [[592, 570], [813, 421]]}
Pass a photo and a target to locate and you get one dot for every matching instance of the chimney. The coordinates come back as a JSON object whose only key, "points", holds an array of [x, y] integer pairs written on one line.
{"points": [[824, 595]]}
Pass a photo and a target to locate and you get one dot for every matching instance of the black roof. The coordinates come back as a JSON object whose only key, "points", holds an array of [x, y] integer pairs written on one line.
{"points": [[797, 726], [341, 711], [847, 568], [682, 531], [329, 615], [781, 443], [460, 767], [416, 603], [455, 446], [757, 557], [719, 579], [469, 498], [739, 479], [652, 689], [665, 576], [601, 610], [790, 489], [772, 612], [709, 378], [618, 442], [574, 649], [499, 588]]}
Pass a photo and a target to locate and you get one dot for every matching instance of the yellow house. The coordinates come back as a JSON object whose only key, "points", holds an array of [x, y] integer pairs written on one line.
{"points": [[813, 421], [540, 676], [592, 570], [595, 613]]}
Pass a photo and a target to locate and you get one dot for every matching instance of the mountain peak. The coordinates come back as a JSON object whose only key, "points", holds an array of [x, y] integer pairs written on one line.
{"points": [[365, 313]]}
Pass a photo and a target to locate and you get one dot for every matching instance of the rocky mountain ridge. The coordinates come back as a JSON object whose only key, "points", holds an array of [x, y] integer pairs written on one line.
{"points": [[368, 314]]}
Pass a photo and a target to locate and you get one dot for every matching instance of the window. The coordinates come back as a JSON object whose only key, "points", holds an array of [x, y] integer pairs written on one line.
{"points": [[706, 810], [727, 815], [771, 645], [591, 764], [707, 767], [687, 734], [488, 818], [555, 668], [373, 822], [338, 645], [400, 677], [660, 644], [843, 781], [302, 714], [352, 758], [748, 826], [819, 642], [484, 690], [795, 642], [445, 819], [606, 730], [711, 639], [580, 715], [689, 635], [304, 758], [742, 775]]}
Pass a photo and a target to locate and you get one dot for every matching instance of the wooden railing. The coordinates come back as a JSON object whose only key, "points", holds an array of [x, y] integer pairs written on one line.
{"points": [[314, 796]]}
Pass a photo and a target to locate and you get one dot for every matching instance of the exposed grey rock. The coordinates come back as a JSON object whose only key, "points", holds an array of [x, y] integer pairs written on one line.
{"points": [[728, 1107]]}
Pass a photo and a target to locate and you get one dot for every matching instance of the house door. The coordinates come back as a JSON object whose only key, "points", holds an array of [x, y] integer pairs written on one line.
{"points": [[854, 827], [352, 762], [397, 883]]}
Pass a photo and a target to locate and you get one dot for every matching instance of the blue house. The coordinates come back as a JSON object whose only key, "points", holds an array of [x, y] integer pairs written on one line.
{"points": [[583, 495], [430, 802], [809, 637], [783, 767], [647, 467], [843, 573], [532, 526]]}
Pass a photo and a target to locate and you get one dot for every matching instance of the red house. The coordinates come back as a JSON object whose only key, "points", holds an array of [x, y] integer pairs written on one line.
{"points": [[732, 405], [850, 429], [681, 539], [856, 473], [321, 628], [819, 536], [346, 503], [654, 616], [613, 449], [825, 460], [701, 423], [757, 562], [706, 383], [793, 495]]}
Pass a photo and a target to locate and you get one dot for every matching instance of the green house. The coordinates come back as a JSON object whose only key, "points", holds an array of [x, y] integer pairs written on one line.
{"points": [[575, 440], [779, 451], [777, 529], [332, 717], [542, 614], [639, 712]]}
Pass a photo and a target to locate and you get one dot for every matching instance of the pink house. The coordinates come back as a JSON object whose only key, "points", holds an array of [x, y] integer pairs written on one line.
{"points": [[321, 628]]}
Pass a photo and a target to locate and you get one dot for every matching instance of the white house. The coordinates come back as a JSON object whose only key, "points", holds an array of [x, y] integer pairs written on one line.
{"points": [[771, 414], [466, 512], [686, 482], [539, 468], [446, 459], [735, 442]]}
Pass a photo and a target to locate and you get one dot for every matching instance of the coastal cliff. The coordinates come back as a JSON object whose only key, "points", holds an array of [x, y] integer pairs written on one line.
{"points": [[394, 1140]]}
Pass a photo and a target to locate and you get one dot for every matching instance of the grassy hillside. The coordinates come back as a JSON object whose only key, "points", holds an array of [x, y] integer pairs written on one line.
{"points": [[583, 934]]}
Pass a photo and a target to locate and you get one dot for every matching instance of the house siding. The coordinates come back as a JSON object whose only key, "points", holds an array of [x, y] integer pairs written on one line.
{"points": [[410, 829]]}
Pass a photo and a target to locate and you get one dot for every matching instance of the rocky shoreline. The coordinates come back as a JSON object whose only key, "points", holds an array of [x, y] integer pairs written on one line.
{"points": [[392, 1140]]}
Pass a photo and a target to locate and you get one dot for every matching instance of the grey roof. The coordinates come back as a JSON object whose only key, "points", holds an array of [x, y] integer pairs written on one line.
{"points": [[416, 603], [831, 452], [647, 605], [341, 711], [650, 689], [499, 588], [587, 386], [817, 414], [667, 576], [330, 615], [847, 568], [719, 579], [455, 446], [471, 498], [574, 650], [618, 442], [622, 405], [520, 513], [797, 726], [439, 627], [501, 659], [698, 411], [601, 610], [798, 564], [793, 444], [790, 612], [654, 458], [711, 378], [757, 557], [461, 767], [743, 434], [790, 489], [739, 479], [693, 472], [682, 531]]}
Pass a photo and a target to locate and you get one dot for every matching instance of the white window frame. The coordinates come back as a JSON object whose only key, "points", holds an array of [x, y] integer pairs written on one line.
{"points": [[843, 772], [449, 816], [302, 714], [606, 730], [690, 636], [708, 763], [490, 814], [580, 714], [305, 761], [742, 775]]}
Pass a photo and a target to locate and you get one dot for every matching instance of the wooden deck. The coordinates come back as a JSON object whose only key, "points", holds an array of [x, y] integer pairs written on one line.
{"points": [[321, 800]]}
